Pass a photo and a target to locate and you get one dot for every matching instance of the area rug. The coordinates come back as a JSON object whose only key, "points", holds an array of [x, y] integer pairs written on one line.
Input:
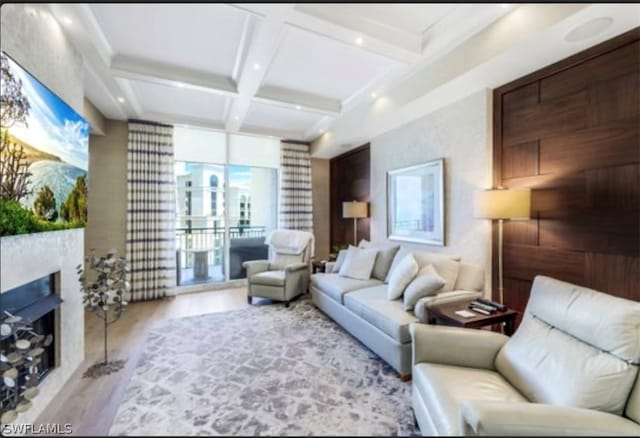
{"points": [[264, 370]]}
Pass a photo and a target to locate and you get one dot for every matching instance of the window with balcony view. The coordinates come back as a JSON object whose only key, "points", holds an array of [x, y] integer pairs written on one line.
{"points": [[227, 188]]}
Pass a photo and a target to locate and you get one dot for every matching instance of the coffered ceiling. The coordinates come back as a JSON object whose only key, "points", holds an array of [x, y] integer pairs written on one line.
{"points": [[286, 70]]}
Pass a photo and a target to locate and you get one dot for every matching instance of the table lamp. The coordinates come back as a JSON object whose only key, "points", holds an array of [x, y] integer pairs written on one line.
{"points": [[354, 210], [502, 204]]}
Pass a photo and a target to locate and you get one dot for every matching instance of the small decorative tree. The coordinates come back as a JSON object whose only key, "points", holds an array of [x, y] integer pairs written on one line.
{"points": [[45, 205], [105, 297]]}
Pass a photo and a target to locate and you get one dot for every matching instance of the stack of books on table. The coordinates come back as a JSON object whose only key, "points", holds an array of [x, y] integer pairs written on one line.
{"points": [[486, 307]]}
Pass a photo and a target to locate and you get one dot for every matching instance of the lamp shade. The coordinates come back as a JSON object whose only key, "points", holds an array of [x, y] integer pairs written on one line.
{"points": [[503, 204], [354, 209]]}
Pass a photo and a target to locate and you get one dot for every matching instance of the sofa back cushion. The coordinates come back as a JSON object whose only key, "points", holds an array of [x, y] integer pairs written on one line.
{"points": [[386, 252], [575, 347], [358, 263], [446, 265], [470, 277]]}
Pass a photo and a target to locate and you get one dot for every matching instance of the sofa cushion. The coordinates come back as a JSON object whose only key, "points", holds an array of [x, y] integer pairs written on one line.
{"points": [[386, 252], [443, 388], [336, 286], [358, 263], [565, 325], [269, 278], [342, 254], [372, 305], [447, 265], [401, 276], [428, 282]]}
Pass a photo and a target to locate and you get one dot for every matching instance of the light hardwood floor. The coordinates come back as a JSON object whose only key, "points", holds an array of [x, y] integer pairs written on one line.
{"points": [[90, 405]]}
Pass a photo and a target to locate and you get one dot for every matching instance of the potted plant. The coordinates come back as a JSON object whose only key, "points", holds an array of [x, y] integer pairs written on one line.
{"points": [[104, 296]]}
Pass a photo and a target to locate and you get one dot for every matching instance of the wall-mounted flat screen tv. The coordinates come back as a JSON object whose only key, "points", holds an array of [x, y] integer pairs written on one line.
{"points": [[43, 156]]}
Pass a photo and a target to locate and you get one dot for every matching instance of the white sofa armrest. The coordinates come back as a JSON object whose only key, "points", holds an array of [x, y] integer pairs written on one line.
{"points": [[533, 419], [455, 346], [254, 267], [421, 309]]}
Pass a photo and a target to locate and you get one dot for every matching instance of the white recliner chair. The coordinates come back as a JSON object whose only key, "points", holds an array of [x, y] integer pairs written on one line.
{"points": [[286, 275], [571, 368]]}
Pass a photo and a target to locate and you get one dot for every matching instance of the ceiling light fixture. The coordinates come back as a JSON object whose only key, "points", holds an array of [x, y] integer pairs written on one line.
{"points": [[505, 5], [257, 66], [67, 20], [359, 41], [236, 117], [374, 95], [180, 84], [298, 107], [121, 99]]}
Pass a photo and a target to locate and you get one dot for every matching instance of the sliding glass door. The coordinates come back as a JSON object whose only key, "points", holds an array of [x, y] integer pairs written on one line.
{"points": [[224, 210]]}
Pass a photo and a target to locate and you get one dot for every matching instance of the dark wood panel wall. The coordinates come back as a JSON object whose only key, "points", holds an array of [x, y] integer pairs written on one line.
{"points": [[350, 173], [570, 132]]}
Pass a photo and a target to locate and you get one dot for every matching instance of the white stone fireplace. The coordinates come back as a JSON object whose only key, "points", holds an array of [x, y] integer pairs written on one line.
{"points": [[26, 258]]}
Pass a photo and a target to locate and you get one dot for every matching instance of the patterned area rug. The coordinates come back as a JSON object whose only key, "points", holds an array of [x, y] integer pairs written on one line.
{"points": [[265, 370]]}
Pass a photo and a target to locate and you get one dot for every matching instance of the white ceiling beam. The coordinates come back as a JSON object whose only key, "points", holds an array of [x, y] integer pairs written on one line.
{"points": [[274, 132], [180, 119], [130, 97], [349, 19], [298, 100], [128, 67], [263, 46], [375, 44], [104, 91]]}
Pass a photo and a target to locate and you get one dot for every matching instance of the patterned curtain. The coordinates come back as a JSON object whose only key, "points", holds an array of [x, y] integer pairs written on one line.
{"points": [[296, 207], [151, 211]]}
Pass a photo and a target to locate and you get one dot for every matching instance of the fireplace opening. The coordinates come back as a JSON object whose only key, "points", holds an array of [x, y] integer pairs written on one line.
{"points": [[35, 303]]}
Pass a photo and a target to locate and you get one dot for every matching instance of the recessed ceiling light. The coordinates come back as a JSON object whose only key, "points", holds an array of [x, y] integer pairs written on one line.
{"points": [[121, 99], [298, 107], [589, 29], [236, 117], [180, 84], [505, 5], [374, 95], [67, 20], [359, 41], [257, 66]]}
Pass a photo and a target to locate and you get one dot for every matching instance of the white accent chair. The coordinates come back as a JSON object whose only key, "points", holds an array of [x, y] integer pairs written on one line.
{"points": [[286, 275]]}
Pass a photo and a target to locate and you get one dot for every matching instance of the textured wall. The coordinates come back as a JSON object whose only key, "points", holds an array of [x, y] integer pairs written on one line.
{"points": [[28, 257], [461, 133], [321, 208], [107, 203], [31, 35]]}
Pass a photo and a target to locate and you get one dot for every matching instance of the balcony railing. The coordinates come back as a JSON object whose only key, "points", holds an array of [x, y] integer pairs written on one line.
{"points": [[211, 239]]}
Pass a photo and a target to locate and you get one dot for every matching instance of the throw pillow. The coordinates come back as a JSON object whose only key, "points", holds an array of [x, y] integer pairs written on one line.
{"points": [[426, 283], [386, 252], [401, 276], [358, 263], [342, 254]]}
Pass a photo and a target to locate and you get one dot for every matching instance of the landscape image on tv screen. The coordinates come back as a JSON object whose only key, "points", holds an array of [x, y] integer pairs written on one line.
{"points": [[43, 157]]}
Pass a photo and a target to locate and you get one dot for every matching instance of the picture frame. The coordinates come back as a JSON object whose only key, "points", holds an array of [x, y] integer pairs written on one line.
{"points": [[415, 203]]}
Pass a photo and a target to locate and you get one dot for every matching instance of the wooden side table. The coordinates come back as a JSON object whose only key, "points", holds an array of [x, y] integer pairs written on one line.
{"points": [[445, 314], [318, 266]]}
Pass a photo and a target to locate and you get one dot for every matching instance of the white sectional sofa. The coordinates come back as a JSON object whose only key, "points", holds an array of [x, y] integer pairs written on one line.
{"points": [[361, 306]]}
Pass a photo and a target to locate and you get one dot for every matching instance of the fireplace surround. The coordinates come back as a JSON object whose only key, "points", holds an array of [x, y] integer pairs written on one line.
{"points": [[30, 257]]}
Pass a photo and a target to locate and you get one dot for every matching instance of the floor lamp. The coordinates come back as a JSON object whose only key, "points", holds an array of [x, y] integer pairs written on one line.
{"points": [[354, 210], [500, 204]]}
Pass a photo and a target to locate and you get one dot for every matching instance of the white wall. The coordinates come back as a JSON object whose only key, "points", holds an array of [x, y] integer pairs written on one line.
{"points": [[461, 133], [31, 36]]}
